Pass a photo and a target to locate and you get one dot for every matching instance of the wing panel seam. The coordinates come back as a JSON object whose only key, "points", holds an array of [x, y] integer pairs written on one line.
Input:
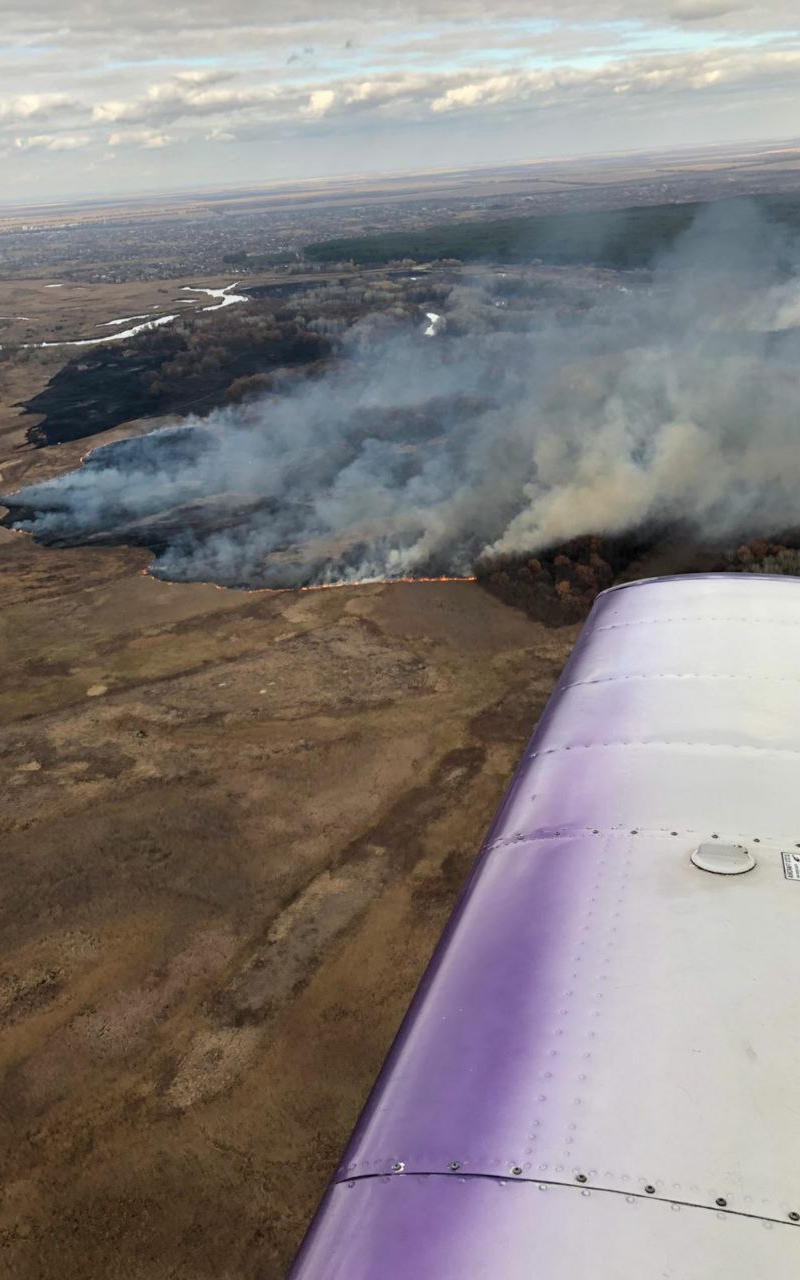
{"points": [[463, 1176], [665, 742], [678, 675]]}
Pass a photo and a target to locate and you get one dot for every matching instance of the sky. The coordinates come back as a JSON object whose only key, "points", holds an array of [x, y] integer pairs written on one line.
{"points": [[118, 96]]}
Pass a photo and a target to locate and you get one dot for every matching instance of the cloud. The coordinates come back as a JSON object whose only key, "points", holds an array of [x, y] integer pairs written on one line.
{"points": [[417, 94], [148, 139], [52, 142], [638, 76], [30, 106], [183, 96], [109, 112], [196, 77], [239, 73], [320, 102], [701, 10]]}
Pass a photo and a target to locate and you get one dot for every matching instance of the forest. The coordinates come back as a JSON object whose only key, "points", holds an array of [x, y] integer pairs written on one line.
{"points": [[621, 238], [559, 585]]}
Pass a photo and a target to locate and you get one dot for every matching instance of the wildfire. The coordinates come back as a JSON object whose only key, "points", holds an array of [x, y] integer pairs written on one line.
{"points": [[279, 590], [321, 586], [378, 582]]}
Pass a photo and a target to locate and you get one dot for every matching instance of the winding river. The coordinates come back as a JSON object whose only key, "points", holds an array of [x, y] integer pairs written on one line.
{"points": [[223, 298]]}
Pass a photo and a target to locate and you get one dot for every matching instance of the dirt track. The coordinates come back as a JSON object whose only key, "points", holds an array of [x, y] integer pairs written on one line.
{"points": [[233, 826]]}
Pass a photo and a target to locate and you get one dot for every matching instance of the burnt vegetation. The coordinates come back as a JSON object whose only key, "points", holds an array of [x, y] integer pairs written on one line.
{"points": [[559, 586], [201, 362], [192, 366]]}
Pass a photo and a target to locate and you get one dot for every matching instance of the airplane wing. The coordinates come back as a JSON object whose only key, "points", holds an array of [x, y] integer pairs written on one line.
{"points": [[600, 1073]]}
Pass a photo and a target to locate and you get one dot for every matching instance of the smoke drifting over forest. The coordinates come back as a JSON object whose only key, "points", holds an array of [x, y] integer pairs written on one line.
{"points": [[673, 399]]}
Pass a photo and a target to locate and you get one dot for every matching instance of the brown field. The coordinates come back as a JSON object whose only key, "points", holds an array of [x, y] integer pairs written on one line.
{"points": [[45, 310], [233, 826]]}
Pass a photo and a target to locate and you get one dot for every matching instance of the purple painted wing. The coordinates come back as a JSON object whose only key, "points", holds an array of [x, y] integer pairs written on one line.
{"points": [[598, 1074]]}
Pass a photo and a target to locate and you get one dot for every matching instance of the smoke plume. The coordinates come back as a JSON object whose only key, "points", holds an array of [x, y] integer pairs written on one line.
{"points": [[536, 415]]}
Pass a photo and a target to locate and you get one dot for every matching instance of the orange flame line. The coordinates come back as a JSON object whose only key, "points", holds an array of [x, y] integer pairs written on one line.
{"points": [[320, 586]]}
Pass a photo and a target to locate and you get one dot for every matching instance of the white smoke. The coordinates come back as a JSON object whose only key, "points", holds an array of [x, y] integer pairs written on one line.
{"points": [[676, 399]]}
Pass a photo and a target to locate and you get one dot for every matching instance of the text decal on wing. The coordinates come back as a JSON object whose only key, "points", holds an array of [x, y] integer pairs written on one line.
{"points": [[791, 865]]}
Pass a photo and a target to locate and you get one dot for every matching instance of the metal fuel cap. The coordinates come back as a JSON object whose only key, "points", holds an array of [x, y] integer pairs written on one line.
{"points": [[723, 859]]}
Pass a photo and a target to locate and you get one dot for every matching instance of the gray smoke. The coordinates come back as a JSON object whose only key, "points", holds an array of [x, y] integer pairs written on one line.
{"points": [[535, 417]]}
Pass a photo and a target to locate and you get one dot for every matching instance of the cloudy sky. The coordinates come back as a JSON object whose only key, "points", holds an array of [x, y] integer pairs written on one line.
{"points": [[104, 96]]}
